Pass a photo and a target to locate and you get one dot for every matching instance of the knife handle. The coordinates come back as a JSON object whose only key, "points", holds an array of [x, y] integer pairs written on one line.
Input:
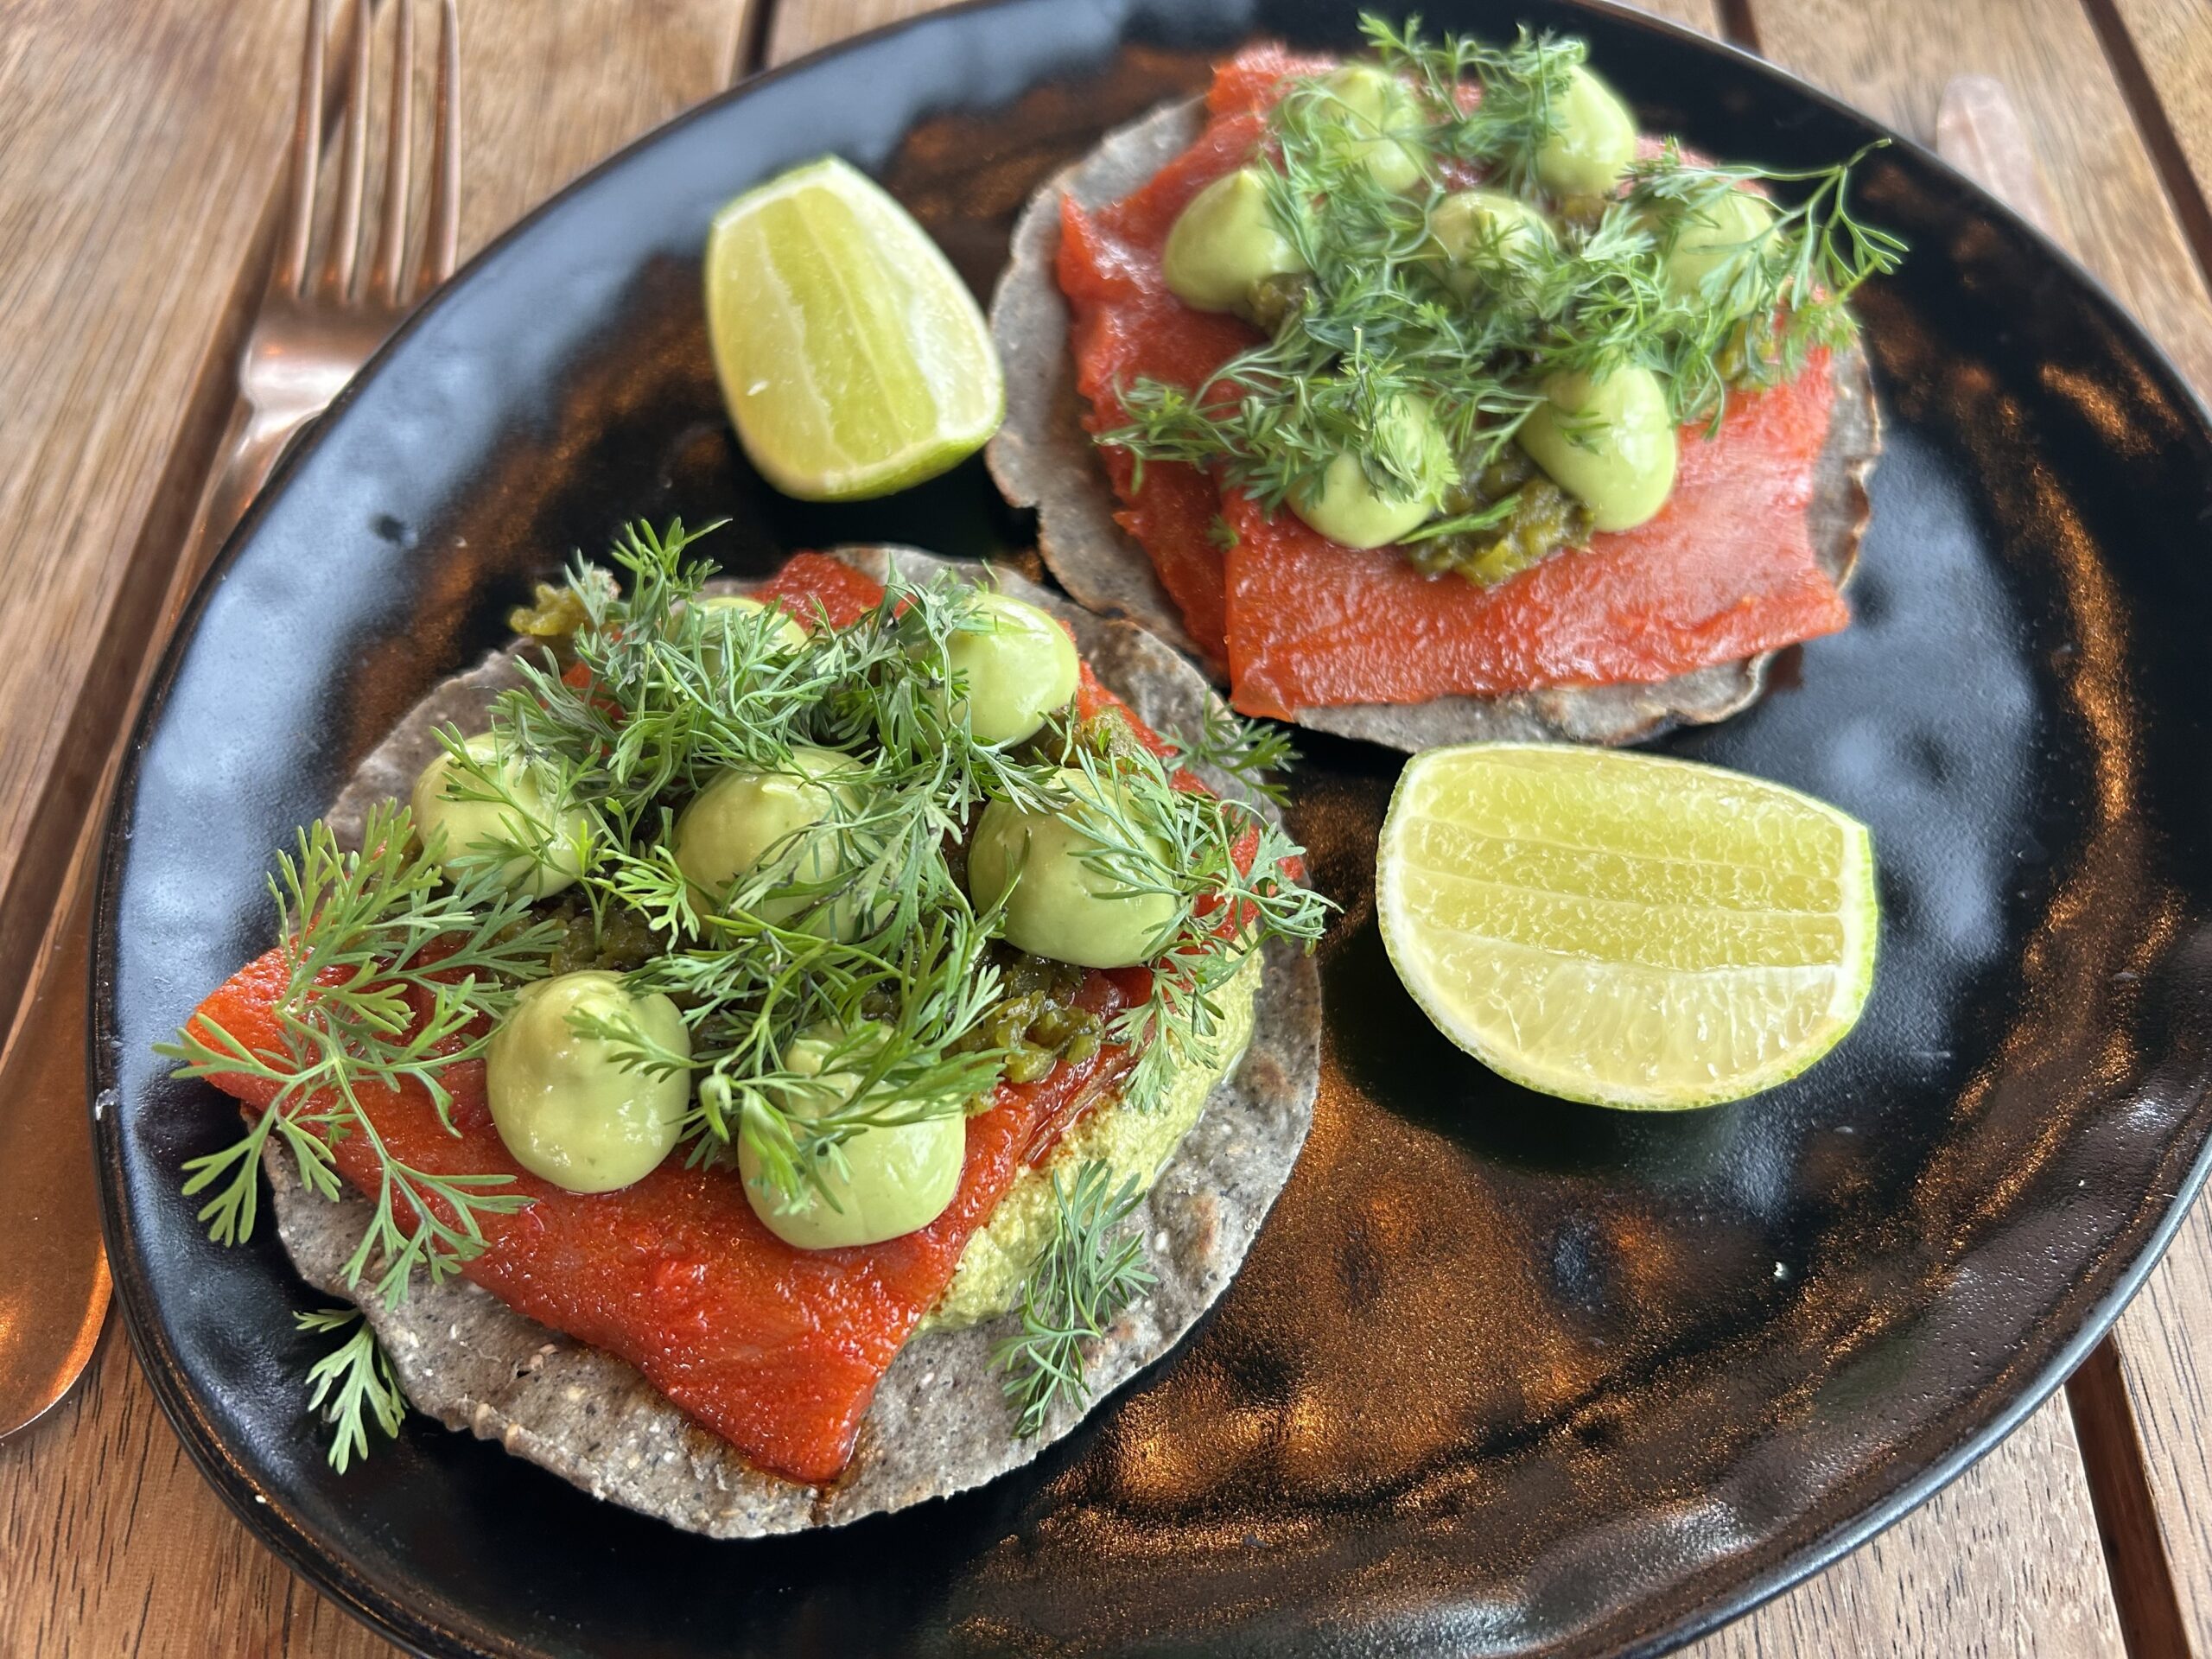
{"points": [[54, 1282], [53, 1287]]}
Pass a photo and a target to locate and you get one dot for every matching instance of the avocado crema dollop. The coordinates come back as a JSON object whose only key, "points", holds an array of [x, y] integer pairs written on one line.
{"points": [[567, 1107], [862, 877], [1489, 324]]}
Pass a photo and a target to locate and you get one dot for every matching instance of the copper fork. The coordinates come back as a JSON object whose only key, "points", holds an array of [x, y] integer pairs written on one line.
{"points": [[321, 316]]}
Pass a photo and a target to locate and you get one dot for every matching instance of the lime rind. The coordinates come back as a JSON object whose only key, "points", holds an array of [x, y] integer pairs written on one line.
{"points": [[853, 358], [1536, 1030]]}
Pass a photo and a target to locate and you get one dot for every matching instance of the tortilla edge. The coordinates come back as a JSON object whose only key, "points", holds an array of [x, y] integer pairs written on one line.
{"points": [[938, 1424], [1042, 459]]}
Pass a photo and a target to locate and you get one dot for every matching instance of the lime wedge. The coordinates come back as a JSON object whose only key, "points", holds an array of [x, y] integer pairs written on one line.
{"points": [[1625, 929], [853, 357]]}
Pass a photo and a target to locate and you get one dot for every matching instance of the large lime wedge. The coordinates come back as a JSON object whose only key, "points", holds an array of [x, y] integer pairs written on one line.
{"points": [[853, 357], [1625, 929]]}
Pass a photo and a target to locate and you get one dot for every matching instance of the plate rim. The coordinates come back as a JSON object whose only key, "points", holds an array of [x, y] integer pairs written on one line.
{"points": [[271, 1519]]}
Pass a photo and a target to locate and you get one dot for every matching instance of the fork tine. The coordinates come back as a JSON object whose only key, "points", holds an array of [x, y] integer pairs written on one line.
{"points": [[441, 240], [391, 234], [291, 268], [353, 163]]}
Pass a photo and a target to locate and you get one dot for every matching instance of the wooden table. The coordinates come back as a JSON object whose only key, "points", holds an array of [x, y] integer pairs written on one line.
{"points": [[139, 144]]}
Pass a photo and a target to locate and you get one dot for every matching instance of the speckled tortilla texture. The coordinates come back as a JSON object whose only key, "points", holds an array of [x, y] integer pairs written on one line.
{"points": [[938, 1424], [1043, 458]]}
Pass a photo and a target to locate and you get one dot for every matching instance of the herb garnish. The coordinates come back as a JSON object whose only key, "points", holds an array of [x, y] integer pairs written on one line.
{"points": [[1150, 840], [1089, 1271], [352, 1385], [387, 970], [911, 980], [886, 962], [1376, 324], [1789, 290], [1247, 751]]}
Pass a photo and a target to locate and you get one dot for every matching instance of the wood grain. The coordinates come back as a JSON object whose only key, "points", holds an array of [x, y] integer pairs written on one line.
{"points": [[2166, 1355], [2003, 1562], [139, 206], [1979, 130], [2174, 38], [112, 162], [2171, 41], [1704, 15], [112, 1543], [798, 27], [550, 91], [1893, 57]]}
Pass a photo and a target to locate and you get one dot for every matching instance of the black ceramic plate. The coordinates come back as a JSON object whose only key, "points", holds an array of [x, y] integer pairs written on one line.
{"points": [[1503, 1374]]}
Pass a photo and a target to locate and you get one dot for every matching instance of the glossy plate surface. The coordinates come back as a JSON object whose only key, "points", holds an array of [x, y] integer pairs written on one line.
{"points": [[1503, 1374]]}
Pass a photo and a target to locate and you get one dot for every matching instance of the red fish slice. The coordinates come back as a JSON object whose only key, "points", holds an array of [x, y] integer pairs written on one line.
{"points": [[1726, 570], [777, 1350]]}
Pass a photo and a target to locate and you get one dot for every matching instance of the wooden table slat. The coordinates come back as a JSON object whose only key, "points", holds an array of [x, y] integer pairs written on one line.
{"points": [[112, 1542], [2171, 40], [551, 91], [2004, 1561], [798, 27], [2165, 1354], [1893, 58], [139, 206]]}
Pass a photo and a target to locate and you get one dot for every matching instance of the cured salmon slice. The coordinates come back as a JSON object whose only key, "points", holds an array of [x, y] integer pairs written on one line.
{"points": [[1127, 326], [808, 584], [777, 1350], [1727, 571]]}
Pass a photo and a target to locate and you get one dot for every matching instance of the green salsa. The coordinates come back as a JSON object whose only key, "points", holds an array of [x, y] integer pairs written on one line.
{"points": [[1131, 1140]]}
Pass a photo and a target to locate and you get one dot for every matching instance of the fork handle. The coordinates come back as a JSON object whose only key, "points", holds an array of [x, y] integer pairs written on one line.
{"points": [[54, 1273], [252, 444]]}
